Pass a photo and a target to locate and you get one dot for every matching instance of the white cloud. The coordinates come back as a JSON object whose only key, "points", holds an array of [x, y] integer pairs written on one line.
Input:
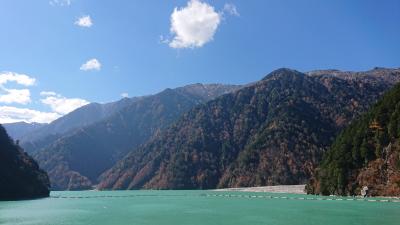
{"points": [[163, 40], [124, 95], [48, 93], [61, 104], [231, 9], [92, 64], [10, 114], [60, 2], [84, 21], [193, 25], [22, 79], [20, 96]]}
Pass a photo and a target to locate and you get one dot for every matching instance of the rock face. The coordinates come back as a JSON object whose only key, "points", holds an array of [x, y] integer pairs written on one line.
{"points": [[272, 132], [75, 161], [367, 153], [20, 176]]}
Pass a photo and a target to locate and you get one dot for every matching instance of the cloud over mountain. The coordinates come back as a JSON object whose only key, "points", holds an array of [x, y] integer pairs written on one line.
{"points": [[10, 114], [60, 104], [12, 95]]}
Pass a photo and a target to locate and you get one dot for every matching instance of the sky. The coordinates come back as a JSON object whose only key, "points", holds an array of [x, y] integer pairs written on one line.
{"points": [[58, 55]]}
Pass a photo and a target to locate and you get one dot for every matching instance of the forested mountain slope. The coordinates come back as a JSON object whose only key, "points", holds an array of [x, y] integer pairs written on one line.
{"points": [[272, 132], [76, 160], [367, 153], [20, 176], [81, 117]]}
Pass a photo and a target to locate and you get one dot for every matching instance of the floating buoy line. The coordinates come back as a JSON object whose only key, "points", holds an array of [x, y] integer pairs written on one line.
{"points": [[314, 198], [114, 196], [248, 196]]}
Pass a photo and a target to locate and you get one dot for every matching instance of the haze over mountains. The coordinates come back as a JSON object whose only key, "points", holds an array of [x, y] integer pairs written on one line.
{"points": [[34, 138], [19, 129], [274, 131]]}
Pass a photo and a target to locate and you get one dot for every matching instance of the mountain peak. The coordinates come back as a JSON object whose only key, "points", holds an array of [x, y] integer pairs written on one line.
{"points": [[282, 72], [207, 91], [270, 133]]}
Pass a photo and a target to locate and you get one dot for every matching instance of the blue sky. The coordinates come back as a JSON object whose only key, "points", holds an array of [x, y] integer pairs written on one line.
{"points": [[142, 47]]}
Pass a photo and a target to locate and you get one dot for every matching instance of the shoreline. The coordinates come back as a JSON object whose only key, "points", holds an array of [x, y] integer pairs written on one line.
{"points": [[290, 189]]}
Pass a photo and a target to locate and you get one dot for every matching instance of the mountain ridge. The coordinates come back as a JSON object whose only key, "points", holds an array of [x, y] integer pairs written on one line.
{"points": [[107, 141], [18, 130], [80, 117], [254, 136]]}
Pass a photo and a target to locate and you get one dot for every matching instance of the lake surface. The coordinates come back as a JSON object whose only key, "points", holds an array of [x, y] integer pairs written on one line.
{"points": [[194, 207]]}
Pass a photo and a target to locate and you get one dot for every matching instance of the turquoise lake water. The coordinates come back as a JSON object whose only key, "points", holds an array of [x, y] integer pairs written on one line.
{"points": [[194, 207]]}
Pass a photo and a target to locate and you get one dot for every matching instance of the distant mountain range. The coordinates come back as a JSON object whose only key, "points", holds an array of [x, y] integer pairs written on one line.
{"points": [[33, 139], [19, 129], [105, 133], [366, 153], [20, 176], [272, 132]]}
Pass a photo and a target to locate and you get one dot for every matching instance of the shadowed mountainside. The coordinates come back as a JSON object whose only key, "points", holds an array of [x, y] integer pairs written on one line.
{"points": [[20, 176]]}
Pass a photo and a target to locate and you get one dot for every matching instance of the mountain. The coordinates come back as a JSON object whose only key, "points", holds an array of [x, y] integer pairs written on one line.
{"points": [[367, 153], [105, 142], [83, 116], [274, 131], [19, 129], [20, 176]]}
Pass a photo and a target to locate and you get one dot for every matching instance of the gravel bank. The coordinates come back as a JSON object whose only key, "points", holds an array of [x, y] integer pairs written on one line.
{"points": [[294, 189]]}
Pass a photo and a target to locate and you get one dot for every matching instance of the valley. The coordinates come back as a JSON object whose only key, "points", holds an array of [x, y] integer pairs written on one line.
{"points": [[271, 132]]}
